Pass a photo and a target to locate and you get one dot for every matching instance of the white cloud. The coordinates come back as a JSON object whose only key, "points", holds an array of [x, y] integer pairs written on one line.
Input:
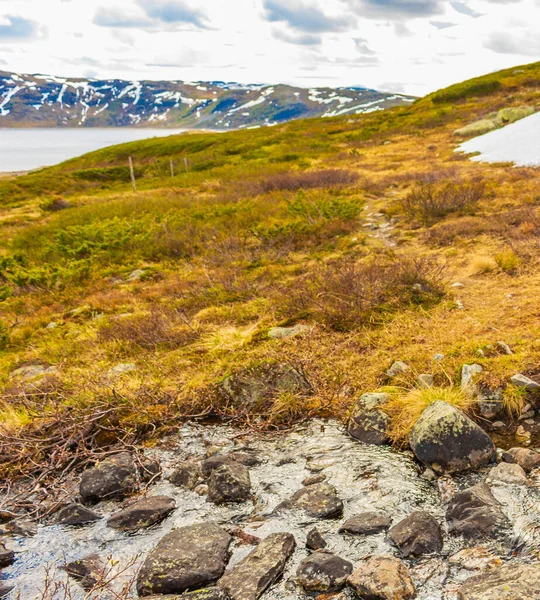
{"points": [[403, 45]]}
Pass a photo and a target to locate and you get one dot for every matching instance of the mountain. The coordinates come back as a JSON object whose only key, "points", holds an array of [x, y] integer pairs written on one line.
{"points": [[48, 101]]}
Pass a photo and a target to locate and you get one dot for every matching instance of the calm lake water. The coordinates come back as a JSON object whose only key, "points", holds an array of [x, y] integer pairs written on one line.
{"points": [[25, 149]]}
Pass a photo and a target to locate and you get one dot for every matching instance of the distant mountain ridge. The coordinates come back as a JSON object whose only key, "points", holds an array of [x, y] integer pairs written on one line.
{"points": [[49, 101]]}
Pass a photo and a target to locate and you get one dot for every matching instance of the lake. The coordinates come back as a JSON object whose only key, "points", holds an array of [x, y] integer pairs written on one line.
{"points": [[26, 149]]}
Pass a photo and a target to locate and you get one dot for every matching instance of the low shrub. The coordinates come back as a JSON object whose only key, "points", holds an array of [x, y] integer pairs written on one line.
{"points": [[467, 89], [296, 180]]}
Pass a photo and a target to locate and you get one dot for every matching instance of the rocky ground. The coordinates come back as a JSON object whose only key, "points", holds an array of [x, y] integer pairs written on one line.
{"points": [[217, 513]]}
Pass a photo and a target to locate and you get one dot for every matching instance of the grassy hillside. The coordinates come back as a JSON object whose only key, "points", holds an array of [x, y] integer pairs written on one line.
{"points": [[121, 312]]}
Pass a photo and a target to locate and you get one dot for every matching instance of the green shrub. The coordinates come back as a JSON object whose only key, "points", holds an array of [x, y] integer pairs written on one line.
{"points": [[468, 89]]}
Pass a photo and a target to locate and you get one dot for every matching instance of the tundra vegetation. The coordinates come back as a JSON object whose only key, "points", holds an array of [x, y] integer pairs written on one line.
{"points": [[121, 312]]}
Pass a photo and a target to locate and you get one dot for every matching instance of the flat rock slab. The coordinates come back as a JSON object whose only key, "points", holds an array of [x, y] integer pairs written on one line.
{"points": [[417, 534], [367, 523], [475, 512], [445, 439], [511, 582], [258, 570], [319, 500], [383, 578], [229, 483], [187, 558], [76, 514], [142, 514], [114, 478], [323, 572], [88, 571]]}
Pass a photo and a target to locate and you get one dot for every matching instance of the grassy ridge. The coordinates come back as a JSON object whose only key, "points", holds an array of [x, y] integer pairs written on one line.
{"points": [[139, 304]]}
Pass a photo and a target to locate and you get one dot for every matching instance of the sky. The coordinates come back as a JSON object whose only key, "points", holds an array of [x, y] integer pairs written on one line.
{"points": [[404, 46]]}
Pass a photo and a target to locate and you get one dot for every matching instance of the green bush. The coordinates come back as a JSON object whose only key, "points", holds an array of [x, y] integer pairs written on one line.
{"points": [[468, 89]]}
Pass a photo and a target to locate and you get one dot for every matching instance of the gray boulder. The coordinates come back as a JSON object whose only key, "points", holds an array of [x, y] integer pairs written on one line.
{"points": [[114, 478], [445, 439], [142, 513], [382, 578], [249, 579], [188, 558], [319, 501], [475, 513], [368, 423], [509, 582], [366, 523], [417, 534], [229, 483], [323, 572], [75, 514]]}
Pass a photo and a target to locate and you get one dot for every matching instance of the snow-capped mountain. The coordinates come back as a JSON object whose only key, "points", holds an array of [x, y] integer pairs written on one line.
{"points": [[48, 101]]}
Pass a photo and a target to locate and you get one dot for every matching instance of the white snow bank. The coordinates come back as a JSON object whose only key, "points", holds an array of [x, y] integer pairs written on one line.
{"points": [[518, 143]]}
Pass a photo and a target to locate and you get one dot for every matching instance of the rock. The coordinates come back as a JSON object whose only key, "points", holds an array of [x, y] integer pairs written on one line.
{"points": [[368, 423], [201, 489], [19, 528], [504, 348], [256, 388], [523, 381], [315, 541], [229, 483], [490, 407], [323, 572], [446, 440], [142, 513], [5, 589], [498, 425], [398, 368], [121, 369], [457, 285], [7, 557], [366, 523], [508, 473], [150, 469], [476, 128], [382, 578], [88, 571], [425, 380], [468, 375], [247, 459], [429, 475], [248, 579], [510, 114], [135, 276], [475, 512], [510, 582], [320, 501], [475, 559], [33, 371], [313, 479], [188, 474], [417, 534], [525, 458], [187, 558], [210, 593], [76, 514], [114, 478], [438, 357], [279, 333]]}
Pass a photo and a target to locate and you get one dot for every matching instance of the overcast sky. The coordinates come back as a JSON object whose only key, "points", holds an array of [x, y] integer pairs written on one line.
{"points": [[413, 46]]}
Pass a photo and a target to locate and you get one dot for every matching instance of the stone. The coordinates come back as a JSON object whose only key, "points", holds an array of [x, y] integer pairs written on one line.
{"points": [[142, 513], [188, 558], [476, 128], [88, 571], [313, 479], [135, 275], [188, 475], [382, 578], [457, 285], [438, 357], [121, 369], [475, 559], [425, 380], [525, 458], [229, 483], [398, 368], [150, 469], [368, 423], [114, 478], [319, 501], [279, 333], [489, 407], [33, 371], [504, 348], [509, 582], [366, 523], [5, 589], [445, 439], [209, 593], [323, 572], [474, 513], [417, 534], [468, 375], [249, 579], [7, 557], [315, 541], [19, 528], [524, 382], [508, 473], [76, 514]]}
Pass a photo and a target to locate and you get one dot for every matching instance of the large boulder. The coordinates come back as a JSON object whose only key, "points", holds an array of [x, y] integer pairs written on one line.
{"points": [[445, 439], [368, 423], [187, 558], [417, 534], [323, 572], [258, 570], [510, 582], [142, 513], [475, 513], [319, 500], [382, 578], [114, 478], [366, 523], [229, 483]]}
